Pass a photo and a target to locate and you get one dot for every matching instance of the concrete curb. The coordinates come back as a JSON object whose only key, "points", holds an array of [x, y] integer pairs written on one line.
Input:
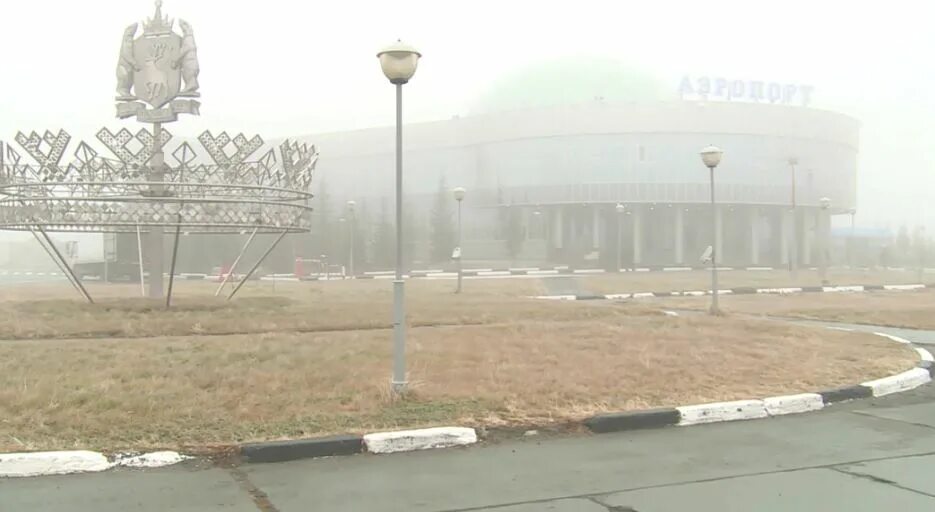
{"points": [[744, 290], [898, 383], [768, 407], [722, 411], [793, 404], [524, 272], [281, 451], [26, 464], [377, 442], [650, 418], [832, 396], [424, 439]]}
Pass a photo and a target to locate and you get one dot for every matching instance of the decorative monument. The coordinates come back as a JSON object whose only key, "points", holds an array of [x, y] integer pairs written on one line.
{"points": [[217, 189]]}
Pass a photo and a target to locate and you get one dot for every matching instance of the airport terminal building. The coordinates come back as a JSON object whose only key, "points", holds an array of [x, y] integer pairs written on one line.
{"points": [[544, 181]]}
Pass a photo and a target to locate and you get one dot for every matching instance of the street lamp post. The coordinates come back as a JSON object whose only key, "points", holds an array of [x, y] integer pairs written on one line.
{"points": [[459, 194], [922, 244], [399, 62], [352, 228], [825, 237], [711, 156], [621, 209], [794, 232], [850, 241]]}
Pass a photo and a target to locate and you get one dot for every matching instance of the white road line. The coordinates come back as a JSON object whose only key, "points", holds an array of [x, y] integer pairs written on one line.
{"points": [[897, 339]]}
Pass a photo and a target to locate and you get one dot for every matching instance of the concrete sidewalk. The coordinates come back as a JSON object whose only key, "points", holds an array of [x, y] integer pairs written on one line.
{"points": [[868, 455]]}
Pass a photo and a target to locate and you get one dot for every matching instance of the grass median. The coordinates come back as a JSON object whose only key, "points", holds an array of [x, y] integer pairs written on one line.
{"points": [[909, 309], [314, 360]]}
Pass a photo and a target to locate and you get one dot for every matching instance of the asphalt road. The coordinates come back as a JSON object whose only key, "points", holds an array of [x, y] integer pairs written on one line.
{"points": [[867, 455]]}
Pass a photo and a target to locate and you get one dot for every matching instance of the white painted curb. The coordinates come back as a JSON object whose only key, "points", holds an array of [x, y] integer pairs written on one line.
{"points": [[924, 355], [151, 460], [779, 291], [51, 463], [793, 404], [410, 440], [903, 287], [834, 289], [901, 382], [14, 465], [722, 411]]}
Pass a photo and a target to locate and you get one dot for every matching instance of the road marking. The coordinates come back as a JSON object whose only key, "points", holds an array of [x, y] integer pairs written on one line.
{"points": [[897, 339]]}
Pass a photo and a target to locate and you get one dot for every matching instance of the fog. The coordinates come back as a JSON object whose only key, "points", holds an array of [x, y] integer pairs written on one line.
{"points": [[282, 68]]}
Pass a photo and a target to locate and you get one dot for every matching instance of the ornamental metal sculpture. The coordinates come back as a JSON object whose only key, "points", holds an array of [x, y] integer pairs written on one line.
{"points": [[221, 188]]}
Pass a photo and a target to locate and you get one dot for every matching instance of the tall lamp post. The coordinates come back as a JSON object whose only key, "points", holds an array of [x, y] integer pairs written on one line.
{"points": [[825, 237], [399, 62], [922, 244], [352, 229], [794, 232], [459, 194], [621, 209], [850, 240], [711, 156]]}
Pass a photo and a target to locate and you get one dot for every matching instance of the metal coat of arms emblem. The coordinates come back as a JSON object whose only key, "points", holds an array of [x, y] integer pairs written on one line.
{"points": [[154, 66], [159, 79]]}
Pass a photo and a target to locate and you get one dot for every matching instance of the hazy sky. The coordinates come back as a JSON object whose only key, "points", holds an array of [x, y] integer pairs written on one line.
{"points": [[281, 67]]}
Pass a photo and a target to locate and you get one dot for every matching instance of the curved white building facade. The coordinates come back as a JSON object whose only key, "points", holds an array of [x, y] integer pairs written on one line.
{"points": [[553, 177]]}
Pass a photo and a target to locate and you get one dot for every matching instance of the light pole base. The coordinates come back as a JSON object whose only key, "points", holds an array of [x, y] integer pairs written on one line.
{"points": [[399, 388], [399, 338]]}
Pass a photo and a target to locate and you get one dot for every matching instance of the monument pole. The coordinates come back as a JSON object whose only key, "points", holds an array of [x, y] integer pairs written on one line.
{"points": [[156, 233], [150, 71]]}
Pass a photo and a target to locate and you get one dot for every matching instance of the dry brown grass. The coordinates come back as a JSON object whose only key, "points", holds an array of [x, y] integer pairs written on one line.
{"points": [[307, 359], [291, 307], [52, 310], [911, 309], [179, 392]]}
